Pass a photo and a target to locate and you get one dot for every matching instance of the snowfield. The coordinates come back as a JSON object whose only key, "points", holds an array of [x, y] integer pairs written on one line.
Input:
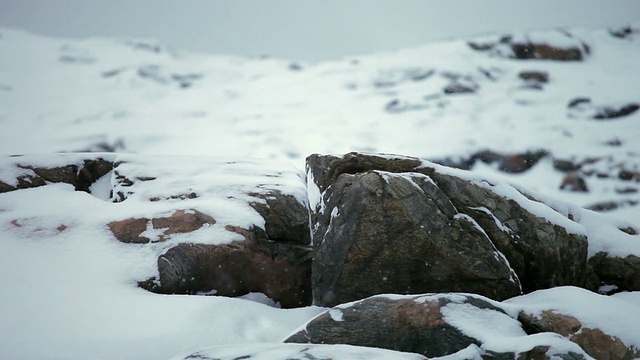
{"points": [[70, 289]]}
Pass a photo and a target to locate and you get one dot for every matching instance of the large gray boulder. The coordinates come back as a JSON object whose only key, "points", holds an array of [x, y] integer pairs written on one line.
{"points": [[390, 233], [434, 325], [393, 224]]}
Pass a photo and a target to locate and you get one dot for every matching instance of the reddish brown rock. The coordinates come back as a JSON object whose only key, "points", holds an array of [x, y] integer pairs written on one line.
{"points": [[181, 221], [130, 230], [595, 342], [396, 324], [280, 271]]}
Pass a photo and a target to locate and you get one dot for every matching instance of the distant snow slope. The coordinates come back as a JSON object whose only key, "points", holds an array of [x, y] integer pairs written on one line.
{"points": [[138, 96]]}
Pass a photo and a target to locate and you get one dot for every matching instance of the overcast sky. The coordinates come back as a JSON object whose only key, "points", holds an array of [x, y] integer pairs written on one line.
{"points": [[304, 30]]}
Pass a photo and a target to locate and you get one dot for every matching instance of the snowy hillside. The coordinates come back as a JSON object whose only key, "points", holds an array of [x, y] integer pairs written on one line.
{"points": [[554, 111], [439, 101]]}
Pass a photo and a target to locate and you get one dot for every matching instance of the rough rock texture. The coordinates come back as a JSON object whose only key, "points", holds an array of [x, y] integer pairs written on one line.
{"points": [[543, 254], [621, 272], [397, 324], [259, 200], [81, 176], [594, 341], [280, 271], [286, 220], [387, 233], [181, 221], [432, 325], [370, 227]]}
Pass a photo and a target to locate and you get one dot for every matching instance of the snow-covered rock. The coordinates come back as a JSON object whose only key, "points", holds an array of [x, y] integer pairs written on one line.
{"points": [[394, 224], [298, 352], [435, 325], [170, 204]]}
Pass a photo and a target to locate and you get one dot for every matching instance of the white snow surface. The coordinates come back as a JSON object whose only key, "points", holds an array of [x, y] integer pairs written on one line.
{"points": [[616, 315], [267, 351], [70, 287]]}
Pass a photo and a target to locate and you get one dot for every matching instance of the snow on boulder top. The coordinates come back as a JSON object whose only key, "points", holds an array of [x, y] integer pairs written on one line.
{"points": [[147, 186]]}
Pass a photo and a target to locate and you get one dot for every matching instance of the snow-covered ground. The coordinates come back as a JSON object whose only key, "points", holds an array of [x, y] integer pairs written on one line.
{"points": [[71, 294]]}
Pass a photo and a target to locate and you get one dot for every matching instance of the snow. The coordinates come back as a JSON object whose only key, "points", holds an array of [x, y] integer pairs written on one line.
{"points": [[497, 254], [497, 221], [336, 315], [73, 291], [266, 351], [616, 315], [73, 285], [186, 119]]}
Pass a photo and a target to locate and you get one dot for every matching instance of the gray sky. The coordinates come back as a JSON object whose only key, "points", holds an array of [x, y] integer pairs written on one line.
{"points": [[307, 30]]}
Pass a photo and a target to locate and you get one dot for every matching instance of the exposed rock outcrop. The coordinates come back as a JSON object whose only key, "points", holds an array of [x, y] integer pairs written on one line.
{"points": [[388, 233], [181, 221], [551, 45], [280, 271], [81, 173], [260, 205], [623, 272], [595, 342], [377, 218], [432, 325]]}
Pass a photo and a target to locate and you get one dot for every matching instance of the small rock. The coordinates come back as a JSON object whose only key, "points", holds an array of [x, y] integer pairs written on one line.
{"points": [[574, 182], [457, 88], [534, 76]]}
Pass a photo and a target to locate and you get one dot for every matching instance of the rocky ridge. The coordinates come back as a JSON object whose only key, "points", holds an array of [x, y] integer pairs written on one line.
{"points": [[380, 224]]}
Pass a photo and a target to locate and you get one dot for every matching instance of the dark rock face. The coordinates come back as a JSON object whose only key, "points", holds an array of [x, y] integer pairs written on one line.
{"points": [[432, 325], [286, 220], [420, 230], [410, 324], [385, 233], [181, 221], [280, 271], [621, 272], [543, 254], [81, 177]]}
